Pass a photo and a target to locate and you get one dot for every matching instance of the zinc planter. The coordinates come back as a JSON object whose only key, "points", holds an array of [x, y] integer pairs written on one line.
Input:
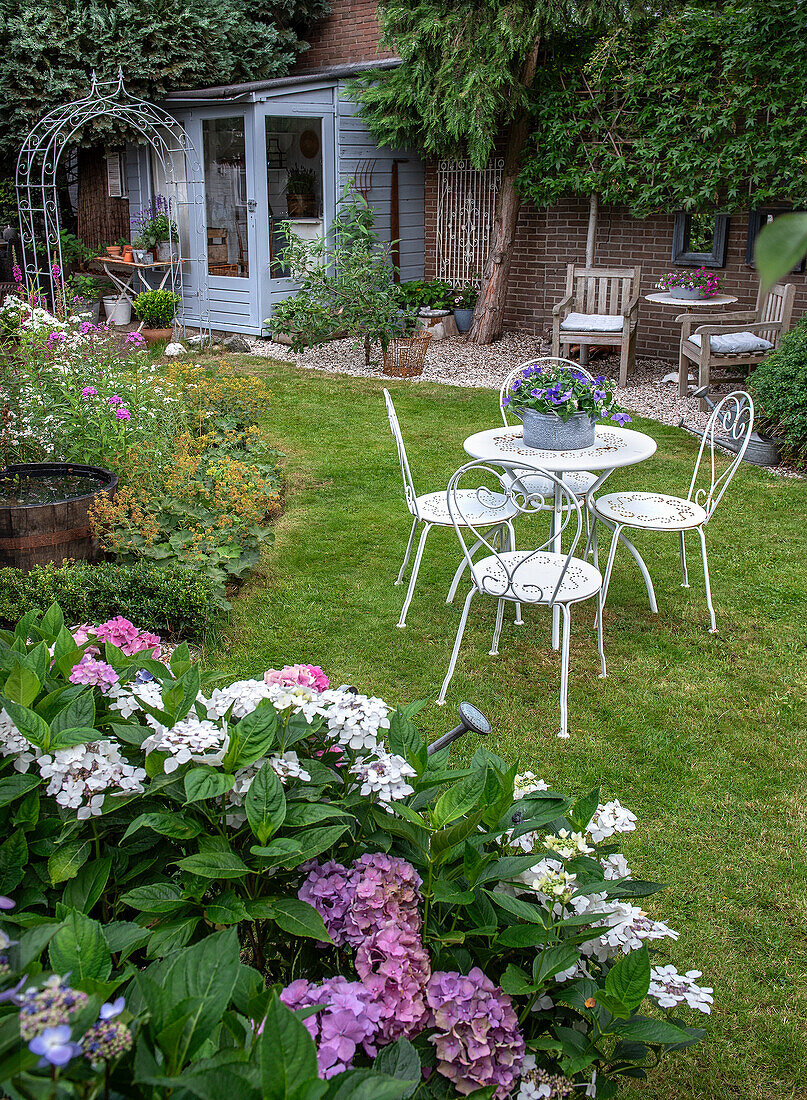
{"points": [[687, 293], [464, 319], [118, 311], [166, 252], [547, 432]]}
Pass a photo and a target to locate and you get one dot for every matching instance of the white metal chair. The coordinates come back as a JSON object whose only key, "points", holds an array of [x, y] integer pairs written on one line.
{"points": [[579, 482], [734, 418], [431, 510], [522, 576]]}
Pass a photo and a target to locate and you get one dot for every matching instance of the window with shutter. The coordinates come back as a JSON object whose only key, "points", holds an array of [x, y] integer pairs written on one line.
{"points": [[115, 175]]}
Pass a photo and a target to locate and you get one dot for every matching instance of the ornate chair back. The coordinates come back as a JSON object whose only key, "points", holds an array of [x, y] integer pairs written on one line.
{"points": [[478, 485], [732, 420], [406, 473], [545, 362]]}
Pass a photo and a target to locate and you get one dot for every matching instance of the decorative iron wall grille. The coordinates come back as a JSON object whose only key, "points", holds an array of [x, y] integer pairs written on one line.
{"points": [[466, 204]]}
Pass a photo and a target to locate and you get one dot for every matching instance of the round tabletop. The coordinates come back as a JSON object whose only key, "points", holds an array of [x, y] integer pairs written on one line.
{"points": [[663, 298], [613, 448]]}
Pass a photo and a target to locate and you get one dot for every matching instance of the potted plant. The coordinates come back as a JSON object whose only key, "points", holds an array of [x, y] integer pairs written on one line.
{"points": [[142, 251], [464, 300], [691, 285], [301, 192], [156, 231], [156, 309], [559, 406], [84, 294]]}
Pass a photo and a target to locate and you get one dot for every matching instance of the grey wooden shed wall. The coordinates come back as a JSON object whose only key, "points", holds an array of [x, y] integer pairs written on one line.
{"points": [[354, 145]]}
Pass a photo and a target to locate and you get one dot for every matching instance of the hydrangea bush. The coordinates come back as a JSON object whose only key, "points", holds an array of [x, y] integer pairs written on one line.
{"points": [[456, 928]]}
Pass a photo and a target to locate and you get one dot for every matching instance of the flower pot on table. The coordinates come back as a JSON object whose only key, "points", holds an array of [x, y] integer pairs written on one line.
{"points": [[687, 293], [165, 252], [547, 432]]}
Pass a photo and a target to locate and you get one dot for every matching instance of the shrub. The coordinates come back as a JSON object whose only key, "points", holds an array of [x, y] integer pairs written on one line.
{"points": [[467, 916], [426, 294], [779, 388], [156, 308], [170, 599]]}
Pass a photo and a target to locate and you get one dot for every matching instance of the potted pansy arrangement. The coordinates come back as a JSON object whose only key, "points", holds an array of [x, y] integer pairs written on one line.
{"points": [[691, 285], [560, 406]]}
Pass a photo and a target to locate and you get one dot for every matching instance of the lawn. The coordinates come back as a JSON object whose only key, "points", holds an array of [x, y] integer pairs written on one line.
{"points": [[702, 736]]}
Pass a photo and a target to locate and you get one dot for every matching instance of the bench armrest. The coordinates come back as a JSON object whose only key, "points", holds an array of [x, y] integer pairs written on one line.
{"points": [[567, 301]]}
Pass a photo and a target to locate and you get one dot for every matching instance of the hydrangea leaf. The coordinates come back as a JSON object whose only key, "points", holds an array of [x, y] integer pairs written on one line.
{"points": [[265, 803], [288, 1056], [80, 949], [299, 918], [629, 979]]}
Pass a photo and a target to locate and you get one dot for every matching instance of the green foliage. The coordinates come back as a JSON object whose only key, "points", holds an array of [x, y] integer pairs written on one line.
{"points": [[74, 251], [779, 388], [780, 247], [301, 181], [346, 283], [426, 294], [462, 78], [156, 308], [170, 600], [699, 109], [50, 51], [87, 287]]}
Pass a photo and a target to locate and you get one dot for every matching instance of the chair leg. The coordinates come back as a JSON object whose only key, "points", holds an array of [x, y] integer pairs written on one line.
{"points": [[460, 570], [684, 573], [713, 627], [494, 649], [683, 372], [564, 671], [703, 380], [457, 643], [603, 673], [415, 568], [405, 562], [624, 361], [518, 621], [607, 578]]}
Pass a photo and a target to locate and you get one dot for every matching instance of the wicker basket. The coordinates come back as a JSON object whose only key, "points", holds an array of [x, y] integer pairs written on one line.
{"points": [[405, 355]]}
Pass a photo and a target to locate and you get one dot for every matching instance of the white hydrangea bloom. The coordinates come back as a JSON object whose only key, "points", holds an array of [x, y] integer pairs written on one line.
{"points": [[672, 989], [82, 776], [526, 783], [297, 698], [192, 738], [244, 694], [549, 880], [12, 743], [385, 775], [354, 720], [568, 844], [287, 766], [126, 698], [615, 866], [610, 818]]}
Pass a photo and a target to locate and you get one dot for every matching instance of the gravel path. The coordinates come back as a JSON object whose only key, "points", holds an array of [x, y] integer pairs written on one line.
{"points": [[458, 363]]}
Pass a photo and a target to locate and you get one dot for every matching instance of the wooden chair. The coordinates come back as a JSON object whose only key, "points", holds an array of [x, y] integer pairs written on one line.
{"points": [[601, 307], [719, 358]]}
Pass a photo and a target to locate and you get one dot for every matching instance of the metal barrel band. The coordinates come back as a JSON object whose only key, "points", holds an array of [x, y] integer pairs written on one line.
{"points": [[52, 538]]}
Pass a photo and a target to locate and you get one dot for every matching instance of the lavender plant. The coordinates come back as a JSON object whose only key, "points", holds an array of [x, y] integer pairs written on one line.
{"points": [[470, 923]]}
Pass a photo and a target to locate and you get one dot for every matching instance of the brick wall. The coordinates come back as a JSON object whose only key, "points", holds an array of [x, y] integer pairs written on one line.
{"points": [[349, 34], [547, 240]]}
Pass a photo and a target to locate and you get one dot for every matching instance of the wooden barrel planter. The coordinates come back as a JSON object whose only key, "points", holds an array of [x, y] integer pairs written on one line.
{"points": [[46, 530]]}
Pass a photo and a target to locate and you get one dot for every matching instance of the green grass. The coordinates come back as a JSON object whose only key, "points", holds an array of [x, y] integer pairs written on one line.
{"points": [[702, 736]]}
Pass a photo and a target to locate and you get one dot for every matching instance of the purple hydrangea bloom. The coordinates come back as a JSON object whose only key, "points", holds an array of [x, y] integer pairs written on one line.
{"points": [[478, 1040], [94, 673], [356, 902], [54, 1046], [111, 1009], [349, 1020], [393, 964]]}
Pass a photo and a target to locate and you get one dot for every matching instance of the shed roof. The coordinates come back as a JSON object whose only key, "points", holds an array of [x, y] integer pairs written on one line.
{"points": [[316, 76]]}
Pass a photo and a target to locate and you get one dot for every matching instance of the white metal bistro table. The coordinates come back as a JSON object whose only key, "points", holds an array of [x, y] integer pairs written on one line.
{"points": [[125, 285], [614, 448]]}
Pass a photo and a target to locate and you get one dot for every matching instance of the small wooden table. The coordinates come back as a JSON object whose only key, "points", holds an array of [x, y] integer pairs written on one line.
{"points": [[689, 305], [126, 286]]}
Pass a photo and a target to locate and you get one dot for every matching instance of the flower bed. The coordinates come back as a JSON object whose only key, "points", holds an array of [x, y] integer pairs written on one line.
{"points": [[198, 483], [445, 928]]}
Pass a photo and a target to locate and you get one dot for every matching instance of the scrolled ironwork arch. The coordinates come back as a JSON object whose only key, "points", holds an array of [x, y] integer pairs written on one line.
{"points": [[37, 167]]}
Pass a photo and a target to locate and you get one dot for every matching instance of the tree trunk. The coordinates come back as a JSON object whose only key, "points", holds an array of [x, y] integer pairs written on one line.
{"points": [[489, 312], [591, 235]]}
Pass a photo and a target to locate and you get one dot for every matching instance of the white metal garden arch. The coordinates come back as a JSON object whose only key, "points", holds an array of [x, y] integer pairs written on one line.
{"points": [[181, 168]]}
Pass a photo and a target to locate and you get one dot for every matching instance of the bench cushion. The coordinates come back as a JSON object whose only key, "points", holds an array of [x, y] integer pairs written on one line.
{"points": [[735, 343], [592, 322]]}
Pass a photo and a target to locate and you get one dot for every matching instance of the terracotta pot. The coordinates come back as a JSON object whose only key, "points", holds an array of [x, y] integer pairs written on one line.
{"points": [[156, 335], [128, 254], [114, 249]]}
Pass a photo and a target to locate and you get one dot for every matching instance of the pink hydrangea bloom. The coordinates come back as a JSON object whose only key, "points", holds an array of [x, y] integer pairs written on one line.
{"points": [[393, 964], [355, 903], [478, 1040], [348, 1021], [93, 673], [121, 633], [310, 676]]}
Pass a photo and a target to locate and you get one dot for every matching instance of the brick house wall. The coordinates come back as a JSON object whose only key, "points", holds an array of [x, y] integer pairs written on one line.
{"points": [[348, 35], [547, 240]]}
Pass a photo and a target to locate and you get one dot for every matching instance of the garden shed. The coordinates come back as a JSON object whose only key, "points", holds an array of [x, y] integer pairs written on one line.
{"points": [[274, 151]]}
